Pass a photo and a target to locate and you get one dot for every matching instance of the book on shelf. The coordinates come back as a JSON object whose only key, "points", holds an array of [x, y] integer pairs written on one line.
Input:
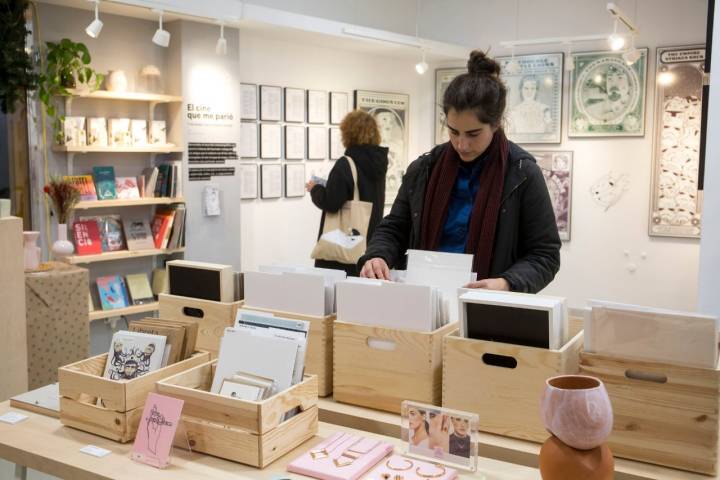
{"points": [[162, 178], [138, 129], [162, 226], [150, 175], [112, 293], [87, 237], [104, 178], [74, 132], [119, 132], [133, 354], [139, 289], [126, 188], [158, 132], [111, 232], [97, 133], [138, 234], [83, 184], [178, 229]]}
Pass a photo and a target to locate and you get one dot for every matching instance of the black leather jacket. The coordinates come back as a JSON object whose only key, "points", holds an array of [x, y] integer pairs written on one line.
{"points": [[526, 252]]}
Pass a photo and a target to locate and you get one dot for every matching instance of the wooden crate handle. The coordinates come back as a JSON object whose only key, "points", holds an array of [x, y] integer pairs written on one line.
{"points": [[645, 376], [495, 360], [193, 312], [381, 344]]}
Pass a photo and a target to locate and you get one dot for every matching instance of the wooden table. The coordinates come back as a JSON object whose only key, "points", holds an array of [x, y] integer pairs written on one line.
{"points": [[496, 447], [42, 443]]}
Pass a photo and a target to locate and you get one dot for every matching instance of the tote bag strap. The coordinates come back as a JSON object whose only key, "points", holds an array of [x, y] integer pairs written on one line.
{"points": [[353, 170]]}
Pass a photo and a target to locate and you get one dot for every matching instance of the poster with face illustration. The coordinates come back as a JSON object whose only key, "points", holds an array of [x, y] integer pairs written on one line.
{"points": [[675, 204], [607, 96], [390, 111], [556, 167], [534, 97]]}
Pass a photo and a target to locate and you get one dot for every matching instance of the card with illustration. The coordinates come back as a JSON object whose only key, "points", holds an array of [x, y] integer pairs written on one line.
{"points": [[154, 438]]}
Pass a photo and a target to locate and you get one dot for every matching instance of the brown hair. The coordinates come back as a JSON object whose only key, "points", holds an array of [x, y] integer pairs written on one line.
{"points": [[359, 128], [479, 90]]}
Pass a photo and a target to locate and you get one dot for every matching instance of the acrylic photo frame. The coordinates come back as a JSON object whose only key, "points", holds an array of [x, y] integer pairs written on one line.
{"points": [[449, 437]]}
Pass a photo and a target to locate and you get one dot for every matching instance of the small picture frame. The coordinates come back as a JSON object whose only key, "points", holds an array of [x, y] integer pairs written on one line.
{"points": [[248, 140], [294, 105], [294, 142], [440, 435], [294, 180], [248, 181], [318, 143], [317, 106], [270, 103], [337, 149], [248, 101], [270, 141], [270, 181], [339, 102]]}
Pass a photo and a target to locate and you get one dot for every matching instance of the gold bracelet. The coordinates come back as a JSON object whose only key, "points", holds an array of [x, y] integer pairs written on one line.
{"points": [[408, 467], [435, 475]]}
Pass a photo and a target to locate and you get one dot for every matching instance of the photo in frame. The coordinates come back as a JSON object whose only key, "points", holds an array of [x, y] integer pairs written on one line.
{"points": [[391, 111], [337, 149], [534, 97], [248, 181], [270, 103], [295, 180], [675, 202], [338, 107], [607, 96], [270, 180], [294, 142], [294, 105], [556, 167], [270, 141], [440, 435], [248, 140], [443, 77], [248, 101], [317, 140], [317, 106]]}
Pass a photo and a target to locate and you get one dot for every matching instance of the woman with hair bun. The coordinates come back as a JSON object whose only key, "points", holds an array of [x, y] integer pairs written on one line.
{"points": [[479, 193]]}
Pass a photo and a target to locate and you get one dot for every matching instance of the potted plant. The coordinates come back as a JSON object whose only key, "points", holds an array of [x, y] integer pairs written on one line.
{"points": [[18, 73]]}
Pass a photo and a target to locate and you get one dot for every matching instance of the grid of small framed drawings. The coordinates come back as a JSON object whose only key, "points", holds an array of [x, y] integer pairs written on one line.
{"points": [[287, 124]]}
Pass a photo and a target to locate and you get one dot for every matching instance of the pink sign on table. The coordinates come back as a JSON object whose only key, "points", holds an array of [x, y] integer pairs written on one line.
{"points": [[154, 438]]}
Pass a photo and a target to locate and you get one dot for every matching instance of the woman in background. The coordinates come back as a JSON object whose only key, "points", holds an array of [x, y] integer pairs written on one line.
{"points": [[361, 138]]}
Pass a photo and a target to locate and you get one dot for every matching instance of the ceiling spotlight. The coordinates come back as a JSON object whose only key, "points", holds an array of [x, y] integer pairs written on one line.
{"points": [[161, 37], [221, 45], [616, 42], [422, 66], [665, 77], [93, 30], [632, 54]]}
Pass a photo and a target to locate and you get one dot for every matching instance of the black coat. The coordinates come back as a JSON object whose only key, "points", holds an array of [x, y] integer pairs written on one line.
{"points": [[371, 162], [526, 252]]}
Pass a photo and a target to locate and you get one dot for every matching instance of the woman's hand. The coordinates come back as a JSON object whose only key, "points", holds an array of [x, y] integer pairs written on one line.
{"points": [[309, 185], [375, 268], [490, 284], [438, 431]]}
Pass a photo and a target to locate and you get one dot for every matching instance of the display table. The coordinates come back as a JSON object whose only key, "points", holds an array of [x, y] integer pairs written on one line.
{"points": [[42, 443], [503, 449]]}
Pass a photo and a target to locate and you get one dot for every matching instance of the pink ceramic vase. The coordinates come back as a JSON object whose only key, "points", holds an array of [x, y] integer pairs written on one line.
{"points": [[577, 410]]}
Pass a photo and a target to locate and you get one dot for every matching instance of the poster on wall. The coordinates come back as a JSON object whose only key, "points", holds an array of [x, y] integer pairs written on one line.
{"points": [[248, 181], [294, 180], [270, 103], [317, 143], [294, 105], [443, 77], [556, 167], [317, 106], [534, 97], [390, 111], [337, 149], [248, 101], [271, 180], [338, 107], [294, 142], [607, 96], [270, 140], [248, 140], [675, 204]]}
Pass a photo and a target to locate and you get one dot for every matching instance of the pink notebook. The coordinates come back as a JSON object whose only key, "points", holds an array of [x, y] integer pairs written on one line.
{"points": [[341, 457], [156, 431], [409, 468]]}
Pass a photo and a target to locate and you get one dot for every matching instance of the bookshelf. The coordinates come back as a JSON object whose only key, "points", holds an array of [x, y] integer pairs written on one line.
{"points": [[121, 255], [133, 202], [119, 312], [112, 149], [125, 96]]}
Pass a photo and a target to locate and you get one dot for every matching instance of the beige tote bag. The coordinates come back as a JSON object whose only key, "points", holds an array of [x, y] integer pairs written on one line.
{"points": [[344, 236]]}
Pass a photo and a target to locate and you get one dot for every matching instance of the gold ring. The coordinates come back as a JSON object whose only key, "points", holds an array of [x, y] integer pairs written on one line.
{"points": [[435, 475], [403, 468]]}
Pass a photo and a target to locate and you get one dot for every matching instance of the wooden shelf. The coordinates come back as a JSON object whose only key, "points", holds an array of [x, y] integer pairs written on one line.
{"points": [[117, 312], [133, 202], [131, 96], [121, 255], [110, 149]]}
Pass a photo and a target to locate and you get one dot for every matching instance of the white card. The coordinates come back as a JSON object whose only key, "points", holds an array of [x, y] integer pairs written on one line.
{"points": [[95, 451], [13, 417]]}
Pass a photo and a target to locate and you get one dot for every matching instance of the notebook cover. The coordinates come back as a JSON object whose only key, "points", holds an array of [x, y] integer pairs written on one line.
{"points": [[104, 182], [87, 237]]}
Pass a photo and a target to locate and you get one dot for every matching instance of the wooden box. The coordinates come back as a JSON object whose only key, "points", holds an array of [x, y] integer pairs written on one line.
{"points": [[503, 383], [82, 382], [380, 367], [243, 431], [319, 355], [663, 414], [213, 318]]}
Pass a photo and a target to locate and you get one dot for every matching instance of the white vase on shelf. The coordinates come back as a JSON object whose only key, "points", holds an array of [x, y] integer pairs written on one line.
{"points": [[116, 81], [62, 247]]}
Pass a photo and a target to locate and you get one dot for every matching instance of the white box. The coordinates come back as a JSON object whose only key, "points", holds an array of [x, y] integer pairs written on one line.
{"points": [[138, 129], [97, 133], [74, 132], [119, 132], [158, 132], [298, 293]]}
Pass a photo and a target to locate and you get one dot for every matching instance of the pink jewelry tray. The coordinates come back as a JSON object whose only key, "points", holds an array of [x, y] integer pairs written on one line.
{"points": [[401, 468]]}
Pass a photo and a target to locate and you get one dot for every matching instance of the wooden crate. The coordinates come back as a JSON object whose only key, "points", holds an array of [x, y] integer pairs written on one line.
{"points": [[213, 318], [252, 433], [663, 414], [507, 398], [319, 355], [81, 383], [401, 365]]}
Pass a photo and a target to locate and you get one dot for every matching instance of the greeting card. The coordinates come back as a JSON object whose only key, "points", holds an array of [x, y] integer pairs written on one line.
{"points": [[154, 438]]}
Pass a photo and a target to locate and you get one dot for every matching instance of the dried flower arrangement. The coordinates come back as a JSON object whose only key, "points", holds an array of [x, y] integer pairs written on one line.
{"points": [[64, 197]]}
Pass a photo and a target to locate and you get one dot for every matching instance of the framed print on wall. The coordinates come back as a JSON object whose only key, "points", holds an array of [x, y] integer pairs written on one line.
{"points": [[294, 180], [607, 96], [317, 143], [534, 97], [317, 106], [270, 140], [443, 77], [676, 203], [556, 167], [248, 101], [270, 103], [294, 105], [248, 140], [390, 111], [294, 142], [270, 180], [338, 107], [337, 149], [248, 181]]}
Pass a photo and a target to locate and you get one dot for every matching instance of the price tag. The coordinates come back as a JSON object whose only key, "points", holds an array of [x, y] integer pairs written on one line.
{"points": [[13, 417], [95, 451]]}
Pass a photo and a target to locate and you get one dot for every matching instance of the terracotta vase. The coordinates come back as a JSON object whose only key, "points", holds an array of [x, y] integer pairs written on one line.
{"points": [[577, 410], [560, 462]]}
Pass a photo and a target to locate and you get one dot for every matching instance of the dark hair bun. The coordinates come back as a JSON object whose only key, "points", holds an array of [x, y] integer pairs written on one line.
{"points": [[481, 64]]}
